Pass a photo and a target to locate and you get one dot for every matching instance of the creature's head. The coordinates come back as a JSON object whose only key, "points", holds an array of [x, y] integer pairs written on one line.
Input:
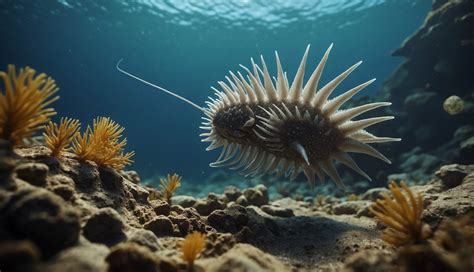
{"points": [[234, 123]]}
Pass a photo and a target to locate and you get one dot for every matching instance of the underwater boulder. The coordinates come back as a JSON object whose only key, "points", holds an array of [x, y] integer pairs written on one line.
{"points": [[105, 226], [33, 173], [43, 217]]}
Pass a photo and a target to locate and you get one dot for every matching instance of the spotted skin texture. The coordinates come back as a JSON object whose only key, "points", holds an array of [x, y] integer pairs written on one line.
{"points": [[320, 141]]}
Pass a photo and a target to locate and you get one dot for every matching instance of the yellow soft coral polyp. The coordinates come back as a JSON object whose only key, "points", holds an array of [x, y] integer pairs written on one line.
{"points": [[103, 144], [24, 103]]}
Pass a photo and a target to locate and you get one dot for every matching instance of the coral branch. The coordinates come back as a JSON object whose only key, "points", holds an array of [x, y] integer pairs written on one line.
{"points": [[191, 247], [169, 185], [402, 216], [58, 138], [102, 144], [24, 103]]}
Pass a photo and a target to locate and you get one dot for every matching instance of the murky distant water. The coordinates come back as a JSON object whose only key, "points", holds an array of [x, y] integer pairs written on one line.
{"points": [[187, 46]]}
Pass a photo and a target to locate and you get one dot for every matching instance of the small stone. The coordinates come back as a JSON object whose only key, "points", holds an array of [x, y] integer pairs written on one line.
{"points": [[146, 238], [33, 173], [350, 207], [42, 217], [374, 193], [64, 191], [231, 219], [132, 257], [183, 201], [452, 175], [160, 207], [277, 211], [232, 193], [105, 227], [257, 196], [160, 226], [182, 222], [210, 204], [242, 200], [177, 209]]}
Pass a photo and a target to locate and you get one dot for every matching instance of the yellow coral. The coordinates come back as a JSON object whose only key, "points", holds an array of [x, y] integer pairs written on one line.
{"points": [[102, 144], [192, 246], [24, 104], [57, 138], [402, 216], [169, 185]]}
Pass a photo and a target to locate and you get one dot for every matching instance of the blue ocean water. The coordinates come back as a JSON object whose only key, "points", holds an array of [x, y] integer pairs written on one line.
{"points": [[187, 46]]}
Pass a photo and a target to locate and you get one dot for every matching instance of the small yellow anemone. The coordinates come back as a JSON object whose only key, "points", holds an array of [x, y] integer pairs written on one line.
{"points": [[402, 216], [169, 185], [191, 247], [103, 144], [24, 103], [58, 138]]}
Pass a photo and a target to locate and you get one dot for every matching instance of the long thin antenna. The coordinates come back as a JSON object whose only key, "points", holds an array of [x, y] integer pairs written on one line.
{"points": [[158, 87]]}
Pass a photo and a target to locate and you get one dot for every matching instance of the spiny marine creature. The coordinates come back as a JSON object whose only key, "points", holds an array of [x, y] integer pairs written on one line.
{"points": [[268, 127]]}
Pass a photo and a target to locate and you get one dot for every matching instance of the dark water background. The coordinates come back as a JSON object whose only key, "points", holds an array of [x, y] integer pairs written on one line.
{"points": [[187, 46]]}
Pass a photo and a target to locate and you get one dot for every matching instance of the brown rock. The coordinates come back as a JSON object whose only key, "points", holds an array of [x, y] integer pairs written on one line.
{"points": [[129, 257], [257, 196], [231, 219], [449, 203], [43, 217], [452, 175], [184, 201], [244, 257], [350, 207], [212, 203], [64, 191], [160, 226], [277, 211], [182, 222], [232, 193], [144, 238], [242, 200], [33, 173], [105, 226], [160, 207]]}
